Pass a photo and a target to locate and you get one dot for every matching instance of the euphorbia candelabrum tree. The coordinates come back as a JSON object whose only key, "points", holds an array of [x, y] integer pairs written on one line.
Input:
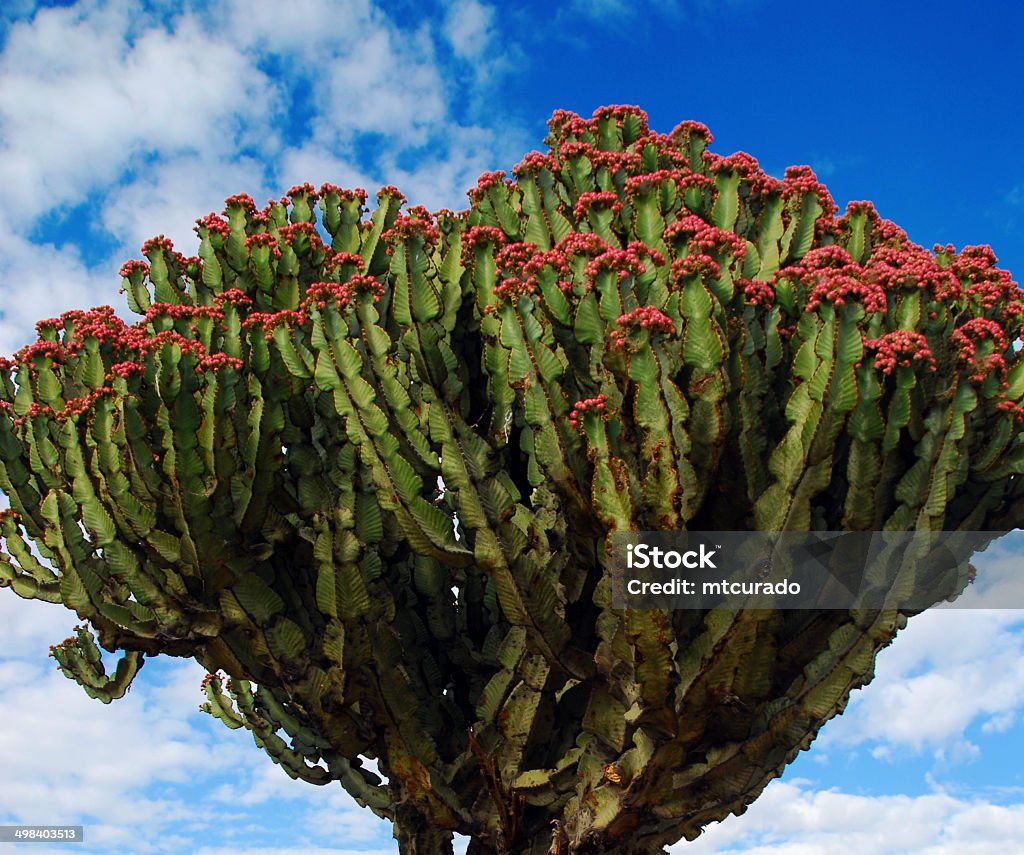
{"points": [[633, 334]]}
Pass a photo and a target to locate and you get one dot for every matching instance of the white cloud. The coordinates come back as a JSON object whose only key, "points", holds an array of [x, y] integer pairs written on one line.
{"points": [[29, 627], [230, 850], [309, 26], [382, 84], [468, 26], [793, 818], [300, 163], [171, 194], [119, 124], [600, 9], [39, 280], [605, 11], [129, 770], [86, 97], [948, 669]]}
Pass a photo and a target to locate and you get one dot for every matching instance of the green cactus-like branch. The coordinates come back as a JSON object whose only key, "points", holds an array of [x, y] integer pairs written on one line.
{"points": [[80, 660]]}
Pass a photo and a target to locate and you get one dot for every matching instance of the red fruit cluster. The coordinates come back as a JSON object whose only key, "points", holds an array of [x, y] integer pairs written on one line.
{"points": [[419, 227], [240, 200], [587, 405], [389, 190], [334, 260], [757, 292], [133, 266], [900, 347], [263, 239], [214, 224], [295, 232], [603, 199], [613, 161], [688, 179], [484, 182], [647, 318], [517, 271], [801, 181], [967, 339], [345, 195], [705, 244], [304, 189], [829, 274], [533, 162], [479, 236], [649, 181]]}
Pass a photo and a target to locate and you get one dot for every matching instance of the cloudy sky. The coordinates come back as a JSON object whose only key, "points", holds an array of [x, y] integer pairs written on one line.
{"points": [[121, 120]]}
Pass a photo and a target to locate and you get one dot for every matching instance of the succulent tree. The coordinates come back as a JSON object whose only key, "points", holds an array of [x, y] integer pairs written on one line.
{"points": [[367, 473]]}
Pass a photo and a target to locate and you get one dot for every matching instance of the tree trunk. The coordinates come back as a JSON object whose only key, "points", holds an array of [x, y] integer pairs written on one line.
{"points": [[417, 836], [556, 842]]}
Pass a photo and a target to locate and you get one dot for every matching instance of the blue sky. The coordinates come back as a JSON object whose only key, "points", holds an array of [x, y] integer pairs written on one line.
{"points": [[120, 120]]}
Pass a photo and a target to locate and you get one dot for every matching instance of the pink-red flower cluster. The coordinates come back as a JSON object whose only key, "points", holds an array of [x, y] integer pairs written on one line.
{"points": [[619, 112], [757, 292], [650, 181], [911, 267], [476, 236], [613, 161], [983, 282], [366, 285], [694, 179], [214, 224], [703, 238], [294, 232], [648, 318], [604, 256], [305, 188], [699, 265], [603, 199], [319, 294], [394, 192], [685, 131], [260, 219], [625, 261], [182, 312], [967, 339], [407, 228], [124, 348], [132, 266], [263, 239], [900, 347], [233, 297], [887, 233], [597, 405], [484, 182], [512, 262], [829, 274], [801, 180], [344, 194], [126, 368], [240, 200], [533, 162], [334, 260], [214, 361], [157, 243], [583, 243], [745, 165], [564, 124], [269, 321]]}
